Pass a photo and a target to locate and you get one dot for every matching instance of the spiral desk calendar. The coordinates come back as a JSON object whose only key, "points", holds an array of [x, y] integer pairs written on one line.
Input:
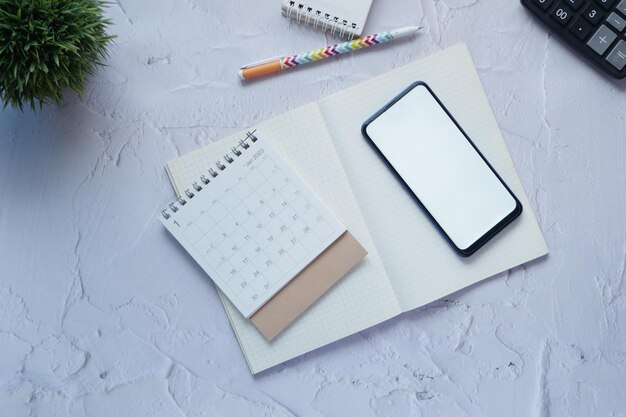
{"points": [[251, 223], [344, 18]]}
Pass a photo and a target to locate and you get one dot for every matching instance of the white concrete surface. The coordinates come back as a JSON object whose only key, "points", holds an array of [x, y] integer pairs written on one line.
{"points": [[100, 317]]}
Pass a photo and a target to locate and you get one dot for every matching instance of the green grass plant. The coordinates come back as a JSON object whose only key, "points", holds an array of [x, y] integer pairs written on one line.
{"points": [[47, 46]]}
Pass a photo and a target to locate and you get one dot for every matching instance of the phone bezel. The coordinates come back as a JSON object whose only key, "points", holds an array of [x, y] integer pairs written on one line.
{"points": [[516, 212]]}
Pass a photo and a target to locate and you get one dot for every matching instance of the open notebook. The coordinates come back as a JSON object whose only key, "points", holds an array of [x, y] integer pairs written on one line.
{"points": [[409, 263]]}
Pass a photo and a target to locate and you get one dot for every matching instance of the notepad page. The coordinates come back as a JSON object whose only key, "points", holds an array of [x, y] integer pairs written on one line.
{"points": [[421, 265], [362, 298], [254, 225]]}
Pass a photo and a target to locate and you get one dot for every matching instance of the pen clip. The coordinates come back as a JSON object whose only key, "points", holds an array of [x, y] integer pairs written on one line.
{"points": [[263, 61]]}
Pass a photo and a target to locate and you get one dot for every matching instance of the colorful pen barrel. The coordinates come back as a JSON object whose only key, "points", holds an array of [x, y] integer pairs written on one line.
{"points": [[332, 50]]}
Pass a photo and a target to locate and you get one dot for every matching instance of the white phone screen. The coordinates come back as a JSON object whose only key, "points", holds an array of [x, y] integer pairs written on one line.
{"points": [[440, 166]]}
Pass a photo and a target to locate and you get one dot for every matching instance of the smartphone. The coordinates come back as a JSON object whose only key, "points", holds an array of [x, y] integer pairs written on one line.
{"points": [[441, 167]]}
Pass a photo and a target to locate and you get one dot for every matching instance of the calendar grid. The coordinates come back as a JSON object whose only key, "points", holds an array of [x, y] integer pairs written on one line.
{"points": [[255, 226]]}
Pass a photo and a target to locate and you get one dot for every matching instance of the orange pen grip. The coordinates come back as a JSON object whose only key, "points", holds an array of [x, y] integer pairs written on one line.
{"points": [[261, 70]]}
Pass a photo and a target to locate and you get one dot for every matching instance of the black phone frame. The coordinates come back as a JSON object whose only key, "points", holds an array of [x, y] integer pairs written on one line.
{"points": [[517, 211]]}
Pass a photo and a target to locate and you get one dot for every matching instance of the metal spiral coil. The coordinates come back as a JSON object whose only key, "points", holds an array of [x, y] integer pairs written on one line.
{"points": [[325, 21], [213, 172]]}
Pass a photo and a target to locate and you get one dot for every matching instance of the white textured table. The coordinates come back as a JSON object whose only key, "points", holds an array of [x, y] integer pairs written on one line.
{"points": [[98, 317]]}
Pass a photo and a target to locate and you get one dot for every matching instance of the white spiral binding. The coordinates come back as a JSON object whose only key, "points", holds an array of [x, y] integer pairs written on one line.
{"points": [[213, 172], [311, 16]]}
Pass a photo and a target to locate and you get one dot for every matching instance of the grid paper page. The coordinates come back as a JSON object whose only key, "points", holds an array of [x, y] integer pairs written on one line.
{"points": [[421, 265], [361, 299], [253, 226]]}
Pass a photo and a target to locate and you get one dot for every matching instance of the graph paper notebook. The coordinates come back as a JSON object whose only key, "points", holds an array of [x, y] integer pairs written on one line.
{"points": [[401, 272], [346, 17]]}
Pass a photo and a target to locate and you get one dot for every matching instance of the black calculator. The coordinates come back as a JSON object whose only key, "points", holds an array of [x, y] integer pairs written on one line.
{"points": [[595, 28]]}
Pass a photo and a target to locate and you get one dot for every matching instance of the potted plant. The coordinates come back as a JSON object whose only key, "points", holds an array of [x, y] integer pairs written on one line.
{"points": [[47, 46]]}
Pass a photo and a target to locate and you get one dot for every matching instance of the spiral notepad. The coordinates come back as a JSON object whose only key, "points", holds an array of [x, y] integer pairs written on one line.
{"points": [[346, 17], [251, 223]]}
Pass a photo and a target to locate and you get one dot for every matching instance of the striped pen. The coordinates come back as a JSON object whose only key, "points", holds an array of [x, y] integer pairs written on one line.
{"points": [[272, 65]]}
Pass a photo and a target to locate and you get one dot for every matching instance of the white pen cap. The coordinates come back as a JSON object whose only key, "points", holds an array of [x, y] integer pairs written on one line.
{"points": [[405, 31]]}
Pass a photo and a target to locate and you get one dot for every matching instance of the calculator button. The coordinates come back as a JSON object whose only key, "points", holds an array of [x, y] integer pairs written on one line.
{"points": [[575, 3], [606, 3], [562, 14], [601, 40], [593, 13], [617, 57], [581, 29], [616, 21], [544, 4], [622, 7]]}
